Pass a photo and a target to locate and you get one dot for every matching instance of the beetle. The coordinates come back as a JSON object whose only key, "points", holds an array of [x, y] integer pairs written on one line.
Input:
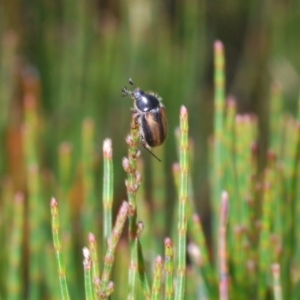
{"points": [[150, 115]]}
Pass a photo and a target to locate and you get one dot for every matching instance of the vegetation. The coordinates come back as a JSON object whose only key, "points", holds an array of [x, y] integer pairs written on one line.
{"points": [[217, 218]]}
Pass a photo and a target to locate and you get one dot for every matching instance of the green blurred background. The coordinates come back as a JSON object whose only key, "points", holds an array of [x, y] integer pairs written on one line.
{"points": [[63, 62]]}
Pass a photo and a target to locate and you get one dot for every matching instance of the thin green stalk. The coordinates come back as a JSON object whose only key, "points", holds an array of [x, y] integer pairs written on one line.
{"points": [[194, 285], [264, 239], [222, 245], [277, 291], [87, 266], [36, 232], [8, 44], [61, 269], [112, 244], [14, 274], [6, 194], [65, 152], [242, 158], [65, 163], [53, 285], [107, 195], [159, 199], [217, 151], [157, 278], [129, 165], [243, 165], [36, 208], [291, 172], [145, 214], [182, 209], [120, 272], [176, 176], [169, 269], [132, 184], [142, 266], [88, 178], [95, 263]]}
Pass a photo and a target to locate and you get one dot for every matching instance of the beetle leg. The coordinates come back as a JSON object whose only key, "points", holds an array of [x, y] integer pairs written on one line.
{"points": [[148, 148], [135, 113], [158, 97]]}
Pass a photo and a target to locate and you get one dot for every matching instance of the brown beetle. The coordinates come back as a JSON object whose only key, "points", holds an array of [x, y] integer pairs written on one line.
{"points": [[151, 117]]}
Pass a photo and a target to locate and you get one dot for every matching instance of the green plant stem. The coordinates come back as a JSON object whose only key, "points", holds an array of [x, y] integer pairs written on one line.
{"points": [[112, 244], [87, 266], [132, 184], [277, 291], [65, 163], [141, 260], [159, 200], [88, 179], [95, 263], [65, 153], [219, 105], [14, 276], [222, 245], [145, 215], [169, 269], [182, 209], [130, 167], [157, 278], [30, 135], [107, 190], [61, 269]]}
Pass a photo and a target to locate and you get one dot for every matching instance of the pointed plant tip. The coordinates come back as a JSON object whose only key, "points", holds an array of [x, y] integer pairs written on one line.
{"points": [[276, 268], [19, 197], [176, 167], [225, 196], [231, 101], [158, 259], [53, 202], [91, 238], [65, 147], [29, 101], [107, 148], [125, 205], [224, 205], [88, 122], [196, 218], [183, 110], [218, 45], [168, 241], [86, 252], [194, 251], [33, 168]]}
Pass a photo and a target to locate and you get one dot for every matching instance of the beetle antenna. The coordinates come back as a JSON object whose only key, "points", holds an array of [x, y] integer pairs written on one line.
{"points": [[152, 154], [130, 81], [125, 92]]}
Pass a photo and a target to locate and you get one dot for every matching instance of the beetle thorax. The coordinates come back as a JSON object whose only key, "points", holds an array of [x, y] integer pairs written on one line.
{"points": [[145, 102]]}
